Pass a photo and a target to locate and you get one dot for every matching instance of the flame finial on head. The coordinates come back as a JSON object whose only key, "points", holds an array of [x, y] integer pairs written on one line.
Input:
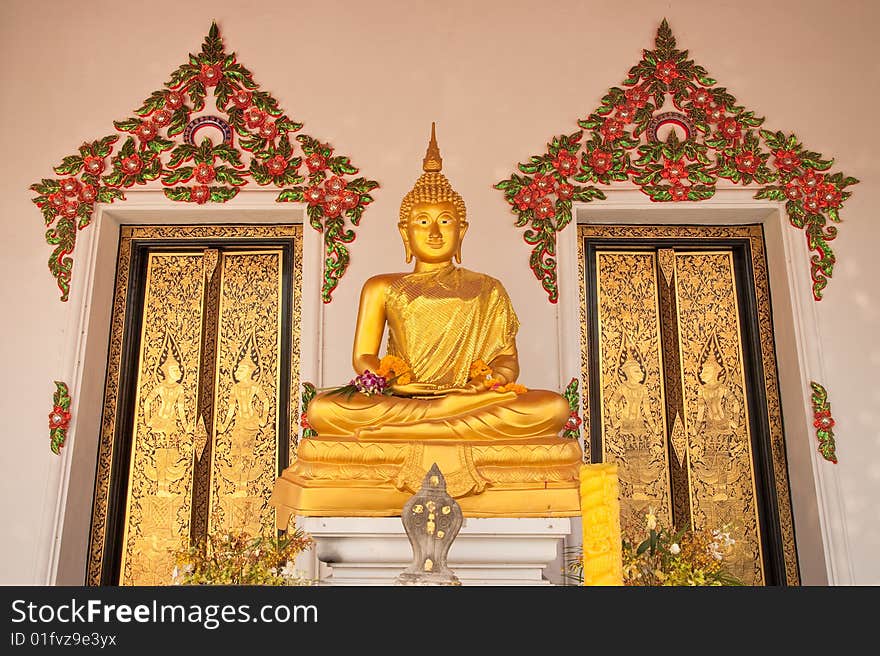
{"points": [[432, 163]]}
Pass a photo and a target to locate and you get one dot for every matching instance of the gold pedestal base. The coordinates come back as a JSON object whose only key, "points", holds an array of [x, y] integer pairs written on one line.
{"points": [[355, 478]]}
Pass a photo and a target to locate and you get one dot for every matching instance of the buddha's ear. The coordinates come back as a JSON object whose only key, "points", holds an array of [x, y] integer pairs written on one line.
{"points": [[404, 235], [462, 231]]}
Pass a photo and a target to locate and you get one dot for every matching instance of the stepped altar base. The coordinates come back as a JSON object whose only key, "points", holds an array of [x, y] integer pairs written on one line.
{"points": [[356, 477]]}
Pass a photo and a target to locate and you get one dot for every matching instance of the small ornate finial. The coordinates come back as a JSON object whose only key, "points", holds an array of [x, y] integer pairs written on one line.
{"points": [[432, 163]]}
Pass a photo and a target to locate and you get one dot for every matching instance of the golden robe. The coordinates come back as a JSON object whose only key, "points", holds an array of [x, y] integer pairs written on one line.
{"points": [[442, 321]]}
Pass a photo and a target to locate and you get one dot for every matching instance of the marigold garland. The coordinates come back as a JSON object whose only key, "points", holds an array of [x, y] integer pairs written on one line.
{"points": [[395, 368]]}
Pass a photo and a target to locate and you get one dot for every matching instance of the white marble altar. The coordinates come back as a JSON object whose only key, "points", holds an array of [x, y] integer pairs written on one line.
{"points": [[487, 551]]}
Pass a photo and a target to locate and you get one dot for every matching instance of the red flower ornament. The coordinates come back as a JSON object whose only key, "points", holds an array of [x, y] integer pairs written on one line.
{"points": [[70, 186], [573, 422], [674, 171], [612, 129], [210, 74], [314, 195], [545, 209], [93, 165], [565, 191], [333, 206], [147, 131], [316, 162], [747, 162], [59, 418], [600, 161], [242, 98], [714, 113], [161, 117], [204, 173], [350, 199], [638, 96], [679, 192], [57, 199], [543, 184], [525, 199], [666, 71], [811, 180], [823, 420], [565, 163], [334, 185], [625, 113], [730, 129], [811, 204], [70, 208], [174, 99], [277, 165], [828, 195], [88, 193], [786, 160], [793, 190], [701, 98], [199, 194], [132, 165], [268, 130], [254, 117]]}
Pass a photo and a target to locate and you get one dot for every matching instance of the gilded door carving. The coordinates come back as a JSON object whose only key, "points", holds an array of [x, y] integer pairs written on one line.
{"points": [[212, 379], [667, 363]]}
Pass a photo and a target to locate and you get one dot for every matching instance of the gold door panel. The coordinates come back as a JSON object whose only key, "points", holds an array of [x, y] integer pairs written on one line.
{"points": [[631, 391], [679, 373], [201, 392], [245, 452], [160, 479], [719, 456]]}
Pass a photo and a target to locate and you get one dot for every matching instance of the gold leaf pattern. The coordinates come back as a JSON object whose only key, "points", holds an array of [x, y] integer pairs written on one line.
{"points": [[633, 409], [716, 415]]}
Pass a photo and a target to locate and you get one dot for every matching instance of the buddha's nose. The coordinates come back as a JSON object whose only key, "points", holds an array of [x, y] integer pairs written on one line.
{"points": [[434, 232]]}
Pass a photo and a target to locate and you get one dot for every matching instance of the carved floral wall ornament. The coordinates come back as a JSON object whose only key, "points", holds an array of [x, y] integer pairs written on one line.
{"points": [[823, 422], [572, 428], [160, 145], [711, 138], [59, 417]]}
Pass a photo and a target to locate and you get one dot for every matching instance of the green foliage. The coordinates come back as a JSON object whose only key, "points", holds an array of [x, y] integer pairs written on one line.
{"points": [[241, 559]]}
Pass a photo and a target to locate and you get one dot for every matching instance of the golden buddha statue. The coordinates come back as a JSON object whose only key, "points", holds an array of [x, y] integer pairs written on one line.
{"points": [[497, 443]]}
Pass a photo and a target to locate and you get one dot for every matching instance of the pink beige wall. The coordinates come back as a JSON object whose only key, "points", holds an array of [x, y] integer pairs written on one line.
{"points": [[500, 78]]}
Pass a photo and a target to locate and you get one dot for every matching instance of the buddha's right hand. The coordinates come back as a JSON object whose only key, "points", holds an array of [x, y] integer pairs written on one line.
{"points": [[418, 389]]}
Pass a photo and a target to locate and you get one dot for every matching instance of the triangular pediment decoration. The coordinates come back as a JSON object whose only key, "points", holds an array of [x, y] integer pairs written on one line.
{"points": [[670, 130], [159, 146]]}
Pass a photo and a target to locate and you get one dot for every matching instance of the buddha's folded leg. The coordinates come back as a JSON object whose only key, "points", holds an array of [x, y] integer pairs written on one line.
{"points": [[535, 414]]}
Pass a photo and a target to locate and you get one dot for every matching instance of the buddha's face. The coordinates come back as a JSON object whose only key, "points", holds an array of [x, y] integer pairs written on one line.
{"points": [[433, 233]]}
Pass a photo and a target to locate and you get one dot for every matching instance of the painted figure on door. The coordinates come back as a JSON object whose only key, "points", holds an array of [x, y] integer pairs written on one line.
{"points": [[248, 408], [712, 416], [164, 418], [630, 407]]}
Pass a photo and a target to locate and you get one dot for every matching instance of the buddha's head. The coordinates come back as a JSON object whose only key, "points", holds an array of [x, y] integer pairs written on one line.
{"points": [[433, 218]]}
